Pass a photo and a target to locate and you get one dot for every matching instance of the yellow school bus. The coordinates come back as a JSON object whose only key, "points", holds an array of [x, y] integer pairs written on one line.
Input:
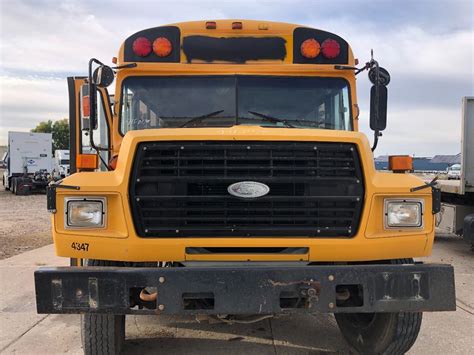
{"points": [[227, 177]]}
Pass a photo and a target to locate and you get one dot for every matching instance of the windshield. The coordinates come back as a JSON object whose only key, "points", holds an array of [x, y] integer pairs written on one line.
{"points": [[219, 101], [64, 162], [455, 168]]}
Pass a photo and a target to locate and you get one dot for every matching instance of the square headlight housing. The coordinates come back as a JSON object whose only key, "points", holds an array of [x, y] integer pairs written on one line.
{"points": [[403, 213], [85, 212]]}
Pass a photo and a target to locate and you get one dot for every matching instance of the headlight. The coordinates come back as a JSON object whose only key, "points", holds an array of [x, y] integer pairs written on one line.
{"points": [[85, 212], [403, 213]]}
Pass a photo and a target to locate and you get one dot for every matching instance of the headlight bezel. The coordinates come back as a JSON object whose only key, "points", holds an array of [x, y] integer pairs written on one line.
{"points": [[417, 201], [94, 199]]}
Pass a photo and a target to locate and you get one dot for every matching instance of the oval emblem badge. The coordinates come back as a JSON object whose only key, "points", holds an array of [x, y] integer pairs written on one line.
{"points": [[248, 189]]}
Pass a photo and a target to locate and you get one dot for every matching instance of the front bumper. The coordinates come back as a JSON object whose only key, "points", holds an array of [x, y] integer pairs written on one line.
{"points": [[248, 290]]}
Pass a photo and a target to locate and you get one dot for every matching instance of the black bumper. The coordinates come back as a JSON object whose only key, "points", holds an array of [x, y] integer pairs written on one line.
{"points": [[248, 290]]}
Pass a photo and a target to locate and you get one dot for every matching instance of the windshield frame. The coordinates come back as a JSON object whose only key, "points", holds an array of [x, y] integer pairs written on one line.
{"points": [[348, 84]]}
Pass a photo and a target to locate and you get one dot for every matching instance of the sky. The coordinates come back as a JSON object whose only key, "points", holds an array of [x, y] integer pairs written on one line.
{"points": [[427, 46]]}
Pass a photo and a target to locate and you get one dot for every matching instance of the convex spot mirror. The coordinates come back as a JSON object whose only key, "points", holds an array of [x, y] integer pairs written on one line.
{"points": [[103, 76], [383, 76]]}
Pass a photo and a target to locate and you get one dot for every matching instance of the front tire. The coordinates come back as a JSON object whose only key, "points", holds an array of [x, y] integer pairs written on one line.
{"points": [[102, 334], [381, 333]]}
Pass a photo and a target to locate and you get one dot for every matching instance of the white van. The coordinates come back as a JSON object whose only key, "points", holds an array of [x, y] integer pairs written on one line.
{"points": [[61, 163]]}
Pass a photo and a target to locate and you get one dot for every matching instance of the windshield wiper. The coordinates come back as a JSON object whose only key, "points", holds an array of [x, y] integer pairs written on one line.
{"points": [[200, 118], [272, 119]]}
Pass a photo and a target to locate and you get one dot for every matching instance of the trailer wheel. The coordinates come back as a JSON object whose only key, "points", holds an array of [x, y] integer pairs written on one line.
{"points": [[102, 333], [5, 185], [381, 333], [20, 188], [14, 182]]}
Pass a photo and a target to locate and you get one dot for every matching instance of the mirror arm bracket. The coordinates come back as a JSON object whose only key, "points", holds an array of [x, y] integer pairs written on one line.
{"points": [[377, 134], [126, 66], [367, 66]]}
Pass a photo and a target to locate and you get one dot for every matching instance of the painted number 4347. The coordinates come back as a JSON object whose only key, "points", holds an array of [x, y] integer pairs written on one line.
{"points": [[80, 246]]}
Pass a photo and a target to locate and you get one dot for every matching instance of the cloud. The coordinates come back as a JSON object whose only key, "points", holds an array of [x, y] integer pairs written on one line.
{"points": [[46, 38], [29, 101], [423, 132]]}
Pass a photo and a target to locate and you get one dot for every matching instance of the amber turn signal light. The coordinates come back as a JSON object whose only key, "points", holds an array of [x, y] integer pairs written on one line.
{"points": [[400, 163], [86, 107], [310, 48], [86, 161], [162, 47]]}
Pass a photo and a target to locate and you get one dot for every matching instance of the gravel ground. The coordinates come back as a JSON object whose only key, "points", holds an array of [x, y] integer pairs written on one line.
{"points": [[24, 223]]}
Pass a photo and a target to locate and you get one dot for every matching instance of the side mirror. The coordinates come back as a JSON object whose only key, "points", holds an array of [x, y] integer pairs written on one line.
{"points": [[380, 77], [378, 107], [103, 76]]}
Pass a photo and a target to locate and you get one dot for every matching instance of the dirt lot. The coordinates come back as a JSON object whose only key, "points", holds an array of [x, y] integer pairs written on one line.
{"points": [[24, 223]]}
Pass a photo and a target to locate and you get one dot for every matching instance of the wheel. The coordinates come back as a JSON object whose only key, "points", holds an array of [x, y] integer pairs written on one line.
{"points": [[102, 334], [20, 188], [381, 333], [4, 185], [14, 182]]}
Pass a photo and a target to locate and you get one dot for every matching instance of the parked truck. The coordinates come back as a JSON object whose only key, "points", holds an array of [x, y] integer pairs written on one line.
{"points": [[232, 182], [61, 163], [28, 162], [457, 208]]}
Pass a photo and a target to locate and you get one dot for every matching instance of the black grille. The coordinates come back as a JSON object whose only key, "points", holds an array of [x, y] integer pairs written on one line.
{"points": [[179, 189]]}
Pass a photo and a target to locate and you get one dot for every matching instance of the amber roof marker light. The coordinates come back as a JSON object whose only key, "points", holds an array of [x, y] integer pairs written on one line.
{"points": [[310, 48], [237, 25], [162, 47], [211, 25]]}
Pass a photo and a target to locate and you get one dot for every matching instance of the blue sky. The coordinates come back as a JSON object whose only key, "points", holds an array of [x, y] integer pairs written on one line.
{"points": [[426, 45]]}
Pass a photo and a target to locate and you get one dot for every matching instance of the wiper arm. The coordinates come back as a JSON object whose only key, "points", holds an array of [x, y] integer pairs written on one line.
{"points": [[272, 119], [200, 118]]}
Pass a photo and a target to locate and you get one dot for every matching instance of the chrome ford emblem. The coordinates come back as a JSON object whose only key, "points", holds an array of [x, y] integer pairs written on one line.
{"points": [[248, 189]]}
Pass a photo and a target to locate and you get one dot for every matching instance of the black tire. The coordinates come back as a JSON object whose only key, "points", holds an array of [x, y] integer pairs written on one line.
{"points": [[102, 334], [14, 182], [4, 184], [20, 188], [381, 333]]}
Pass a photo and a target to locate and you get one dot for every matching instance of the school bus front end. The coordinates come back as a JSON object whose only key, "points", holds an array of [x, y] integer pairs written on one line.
{"points": [[231, 180]]}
